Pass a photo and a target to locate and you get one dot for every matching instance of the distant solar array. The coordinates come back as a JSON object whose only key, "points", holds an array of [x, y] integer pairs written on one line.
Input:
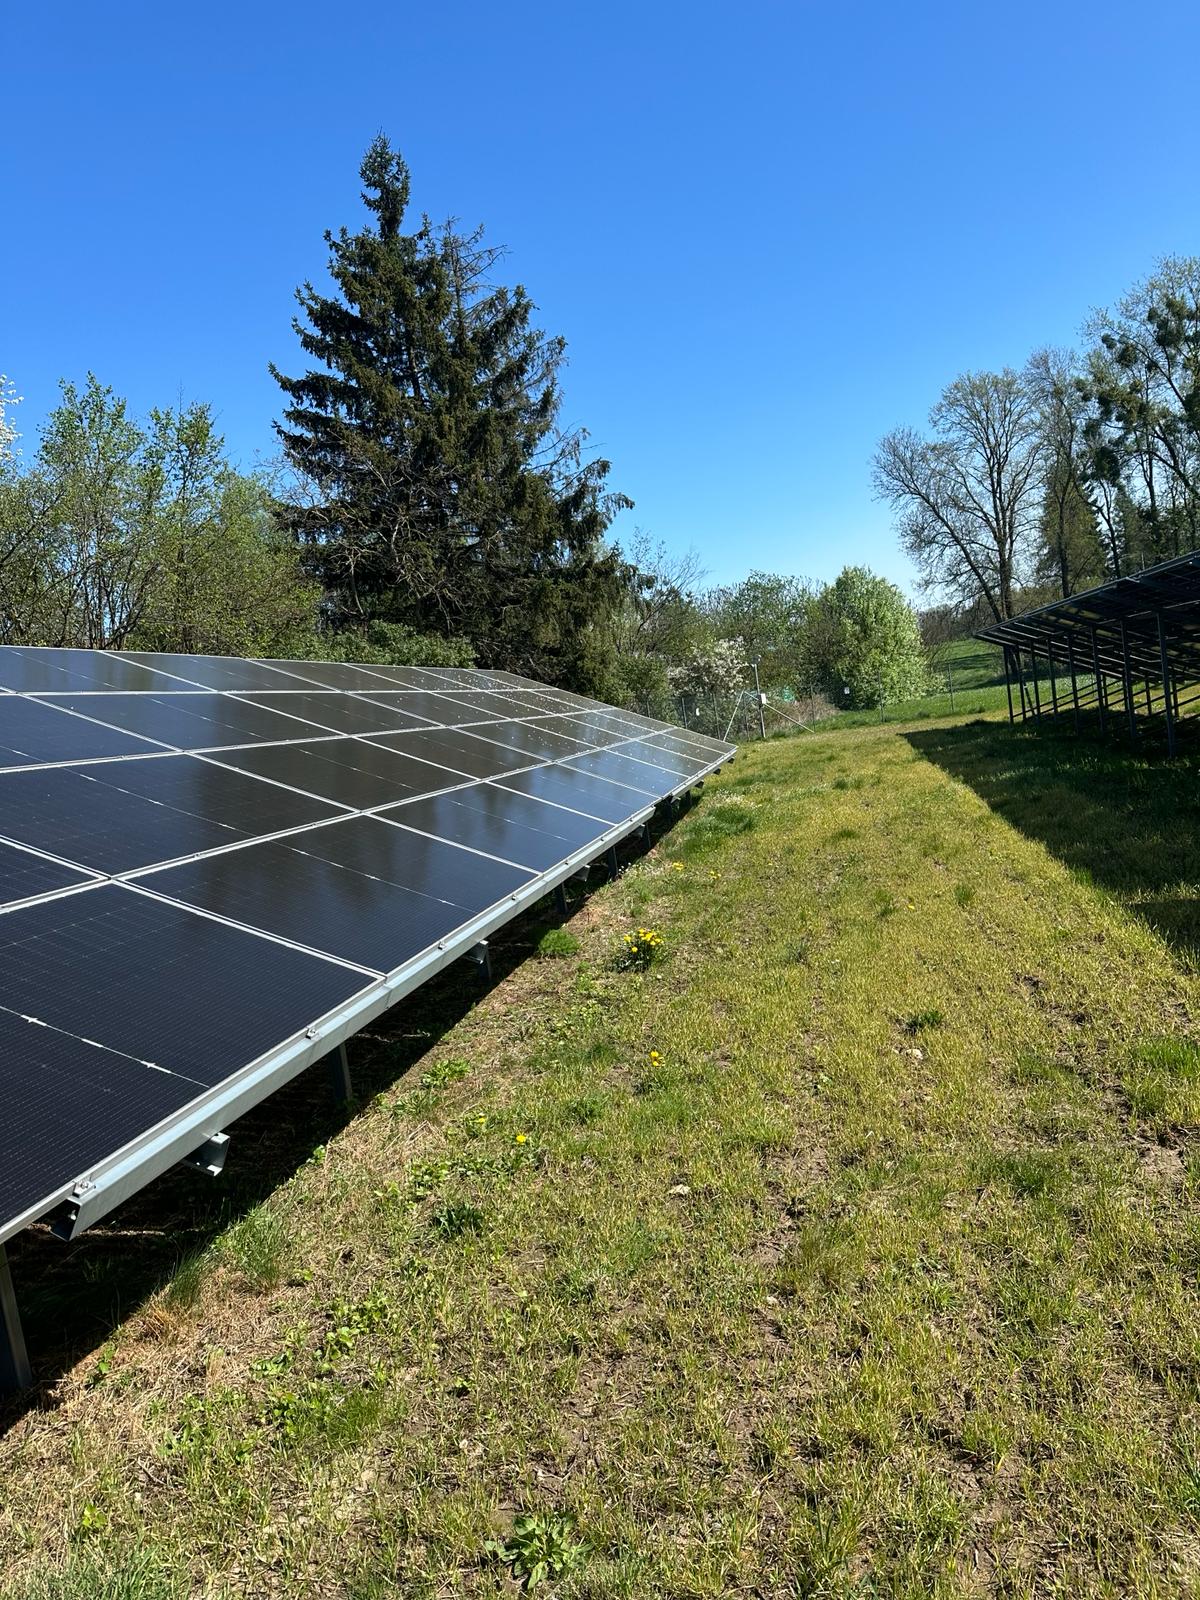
{"points": [[213, 871], [1128, 650]]}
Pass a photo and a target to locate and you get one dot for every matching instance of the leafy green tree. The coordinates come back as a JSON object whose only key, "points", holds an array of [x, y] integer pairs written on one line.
{"points": [[865, 636], [435, 486], [382, 642], [96, 510], [227, 579], [124, 534], [769, 614], [1143, 383], [1070, 554]]}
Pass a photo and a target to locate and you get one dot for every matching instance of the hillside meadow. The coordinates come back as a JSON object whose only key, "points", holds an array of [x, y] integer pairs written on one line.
{"points": [[845, 1246]]}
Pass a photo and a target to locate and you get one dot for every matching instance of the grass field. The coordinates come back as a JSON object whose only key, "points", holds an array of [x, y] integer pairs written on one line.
{"points": [[849, 1248], [968, 681]]}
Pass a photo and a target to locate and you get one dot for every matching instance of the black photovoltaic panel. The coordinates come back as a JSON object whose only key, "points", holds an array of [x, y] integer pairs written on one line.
{"points": [[500, 823], [534, 740], [580, 732], [190, 721], [415, 678], [31, 671], [580, 791], [490, 705], [341, 713], [115, 816], [696, 741], [23, 875], [215, 672], [680, 744], [664, 760], [363, 890], [469, 752], [151, 980], [332, 675], [439, 709], [44, 1076], [348, 772], [620, 768], [146, 995], [31, 732], [611, 728]]}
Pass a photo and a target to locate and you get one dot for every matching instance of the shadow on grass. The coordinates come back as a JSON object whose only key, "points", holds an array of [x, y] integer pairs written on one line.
{"points": [[72, 1297], [1126, 820]]}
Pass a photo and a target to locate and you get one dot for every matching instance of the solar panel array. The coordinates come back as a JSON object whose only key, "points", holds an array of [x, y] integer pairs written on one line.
{"points": [[213, 869]]}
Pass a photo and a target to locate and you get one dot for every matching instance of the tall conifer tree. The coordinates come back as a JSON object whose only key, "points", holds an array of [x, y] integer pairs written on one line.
{"points": [[438, 488]]}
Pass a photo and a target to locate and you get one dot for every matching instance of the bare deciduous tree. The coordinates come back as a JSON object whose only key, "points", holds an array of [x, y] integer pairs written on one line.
{"points": [[967, 496]]}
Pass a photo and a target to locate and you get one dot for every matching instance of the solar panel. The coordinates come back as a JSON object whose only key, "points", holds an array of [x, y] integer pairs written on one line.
{"points": [[213, 871]]}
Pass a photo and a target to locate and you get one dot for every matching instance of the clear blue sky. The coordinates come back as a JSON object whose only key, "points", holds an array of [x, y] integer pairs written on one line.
{"points": [[769, 232]]}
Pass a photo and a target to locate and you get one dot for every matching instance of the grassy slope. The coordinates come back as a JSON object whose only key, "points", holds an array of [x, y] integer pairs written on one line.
{"points": [[974, 671], [880, 1279]]}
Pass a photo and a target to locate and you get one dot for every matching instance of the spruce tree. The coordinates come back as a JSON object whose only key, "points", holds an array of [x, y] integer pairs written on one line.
{"points": [[438, 490]]}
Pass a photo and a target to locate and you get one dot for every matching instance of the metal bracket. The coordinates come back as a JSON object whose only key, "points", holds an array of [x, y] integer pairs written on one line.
{"points": [[481, 956], [15, 1371], [210, 1156]]}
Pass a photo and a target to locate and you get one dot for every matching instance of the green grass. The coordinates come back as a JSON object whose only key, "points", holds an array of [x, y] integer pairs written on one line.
{"points": [[850, 1249], [558, 942]]}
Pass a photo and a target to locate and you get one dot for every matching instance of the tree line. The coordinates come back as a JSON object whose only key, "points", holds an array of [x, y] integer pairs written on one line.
{"points": [[429, 504], [1032, 484]]}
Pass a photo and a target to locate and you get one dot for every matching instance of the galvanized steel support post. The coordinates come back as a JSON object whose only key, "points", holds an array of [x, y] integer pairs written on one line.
{"points": [[1101, 684], [1021, 684], [15, 1371], [1007, 682], [1127, 683], [340, 1081], [1037, 693], [1074, 681], [1053, 681], [1165, 663]]}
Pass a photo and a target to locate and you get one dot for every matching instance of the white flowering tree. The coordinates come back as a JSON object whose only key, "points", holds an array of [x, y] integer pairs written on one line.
{"points": [[709, 682], [718, 669], [8, 432]]}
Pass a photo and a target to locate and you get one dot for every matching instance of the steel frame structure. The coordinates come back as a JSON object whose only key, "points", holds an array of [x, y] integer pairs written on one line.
{"points": [[1128, 650]]}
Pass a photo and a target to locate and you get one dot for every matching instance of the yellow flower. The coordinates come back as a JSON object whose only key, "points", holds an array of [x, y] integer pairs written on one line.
{"points": [[521, 1138]]}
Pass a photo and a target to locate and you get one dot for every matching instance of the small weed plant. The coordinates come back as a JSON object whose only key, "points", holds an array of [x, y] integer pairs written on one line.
{"points": [[539, 1548]]}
